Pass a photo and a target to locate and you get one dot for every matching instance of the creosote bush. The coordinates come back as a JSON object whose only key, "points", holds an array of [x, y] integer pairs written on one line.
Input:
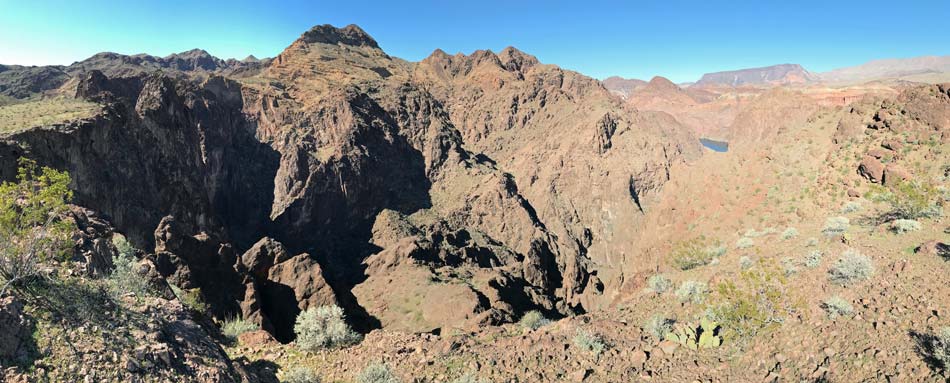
{"points": [[837, 306], [533, 320], [913, 200], [902, 226], [692, 291], [659, 284], [694, 253], [377, 373], [589, 342], [301, 375], [33, 228], [745, 262], [323, 327], [850, 268], [756, 301]]}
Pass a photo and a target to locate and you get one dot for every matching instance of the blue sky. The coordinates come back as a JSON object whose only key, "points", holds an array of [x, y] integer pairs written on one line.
{"points": [[674, 38]]}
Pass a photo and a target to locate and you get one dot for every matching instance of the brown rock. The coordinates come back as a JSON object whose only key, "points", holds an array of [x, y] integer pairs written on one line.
{"points": [[892, 144], [256, 338], [305, 277], [853, 193], [872, 169], [876, 153], [894, 174], [668, 347]]}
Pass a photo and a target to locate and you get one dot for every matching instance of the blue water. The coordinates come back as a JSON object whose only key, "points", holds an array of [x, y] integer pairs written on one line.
{"points": [[716, 146]]}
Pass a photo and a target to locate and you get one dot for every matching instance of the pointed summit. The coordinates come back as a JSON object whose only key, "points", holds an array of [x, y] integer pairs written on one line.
{"points": [[348, 35]]}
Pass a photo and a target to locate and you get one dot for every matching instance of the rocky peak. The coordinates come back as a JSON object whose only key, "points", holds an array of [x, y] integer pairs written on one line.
{"points": [[348, 35], [662, 83], [516, 60]]}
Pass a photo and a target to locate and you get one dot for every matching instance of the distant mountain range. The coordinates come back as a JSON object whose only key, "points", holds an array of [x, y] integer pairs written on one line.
{"points": [[919, 69]]}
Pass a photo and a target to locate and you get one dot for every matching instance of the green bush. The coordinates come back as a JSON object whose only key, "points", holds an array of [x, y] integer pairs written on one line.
{"points": [[533, 320], [837, 306], [659, 284], [913, 200], [694, 253], [125, 277], [851, 267], [658, 326], [377, 373], [233, 328], [301, 375], [902, 226], [589, 342], [191, 299], [789, 266], [756, 301], [323, 327], [692, 291], [32, 225], [811, 242]]}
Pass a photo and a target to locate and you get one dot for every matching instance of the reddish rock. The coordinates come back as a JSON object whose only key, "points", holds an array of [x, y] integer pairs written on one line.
{"points": [[892, 144], [256, 338], [853, 193], [305, 277], [876, 153], [872, 169], [894, 174], [933, 248]]}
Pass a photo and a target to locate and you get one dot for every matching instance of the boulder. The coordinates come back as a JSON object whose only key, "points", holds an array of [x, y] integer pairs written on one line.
{"points": [[892, 144], [934, 248], [305, 277], [894, 174], [872, 169], [262, 256]]}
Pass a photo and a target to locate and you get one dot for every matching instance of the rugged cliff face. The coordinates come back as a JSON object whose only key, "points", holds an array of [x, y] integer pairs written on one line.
{"points": [[457, 191]]}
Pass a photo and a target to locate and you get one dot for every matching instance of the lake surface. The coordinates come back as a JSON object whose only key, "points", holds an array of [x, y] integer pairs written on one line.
{"points": [[716, 146]]}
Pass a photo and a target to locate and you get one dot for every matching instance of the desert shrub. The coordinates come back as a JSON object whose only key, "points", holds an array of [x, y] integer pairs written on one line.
{"points": [[589, 342], [324, 327], [811, 242], [790, 233], [745, 262], [837, 306], [744, 243], [902, 226], [756, 301], [233, 328], [125, 277], [694, 253], [692, 291], [912, 200], [191, 299], [813, 259], [658, 326], [851, 207], [851, 267], [533, 320], [835, 226], [300, 375], [377, 373], [789, 266], [937, 348], [659, 283], [32, 225]]}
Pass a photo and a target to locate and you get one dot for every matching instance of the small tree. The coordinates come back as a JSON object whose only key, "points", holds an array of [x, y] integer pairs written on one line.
{"points": [[32, 228]]}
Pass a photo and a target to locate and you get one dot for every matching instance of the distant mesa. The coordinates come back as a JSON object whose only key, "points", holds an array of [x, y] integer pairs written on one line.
{"points": [[782, 74]]}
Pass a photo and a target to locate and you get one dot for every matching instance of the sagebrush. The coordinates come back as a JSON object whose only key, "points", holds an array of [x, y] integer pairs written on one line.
{"points": [[324, 327]]}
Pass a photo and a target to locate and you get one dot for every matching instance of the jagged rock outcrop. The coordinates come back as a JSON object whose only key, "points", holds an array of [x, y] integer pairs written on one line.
{"points": [[368, 176]]}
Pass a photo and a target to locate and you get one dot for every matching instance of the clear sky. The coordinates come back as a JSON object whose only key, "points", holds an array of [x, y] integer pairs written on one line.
{"points": [[678, 39]]}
